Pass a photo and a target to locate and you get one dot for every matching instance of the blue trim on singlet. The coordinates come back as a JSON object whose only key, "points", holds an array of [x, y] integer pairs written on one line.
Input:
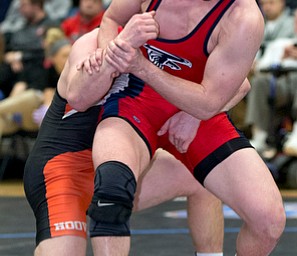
{"points": [[135, 86], [111, 106], [240, 133], [155, 7], [171, 41]]}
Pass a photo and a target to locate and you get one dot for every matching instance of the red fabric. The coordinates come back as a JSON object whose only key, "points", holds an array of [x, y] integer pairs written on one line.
{"points": [[74, 26]]}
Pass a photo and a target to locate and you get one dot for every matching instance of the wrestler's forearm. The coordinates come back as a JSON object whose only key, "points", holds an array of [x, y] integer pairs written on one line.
{"points": [[118, 14], [81, 89], [201, 100], [107, 32], [181, 93], [226, 69], [242, 92], [88, 90]]}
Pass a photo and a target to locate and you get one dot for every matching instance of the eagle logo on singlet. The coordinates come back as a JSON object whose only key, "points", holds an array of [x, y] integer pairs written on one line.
{"points": [[161, 58]]}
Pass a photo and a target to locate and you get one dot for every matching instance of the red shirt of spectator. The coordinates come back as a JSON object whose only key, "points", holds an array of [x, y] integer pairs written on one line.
{"points": [[75, 26], [88, 17]]}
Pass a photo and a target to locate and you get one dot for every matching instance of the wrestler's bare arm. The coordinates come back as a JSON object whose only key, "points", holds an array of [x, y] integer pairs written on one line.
{"points": [[139, 29], [74, 85], [227, 67], [85, 88], [117, 14], [241, 93]]}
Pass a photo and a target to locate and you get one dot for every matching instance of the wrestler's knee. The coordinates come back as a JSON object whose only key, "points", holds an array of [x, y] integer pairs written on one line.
{"points": [[275, 221], [112, 202], [269, 221]]}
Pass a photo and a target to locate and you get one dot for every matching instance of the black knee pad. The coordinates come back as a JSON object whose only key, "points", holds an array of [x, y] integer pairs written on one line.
{"points": [[112, 202]]}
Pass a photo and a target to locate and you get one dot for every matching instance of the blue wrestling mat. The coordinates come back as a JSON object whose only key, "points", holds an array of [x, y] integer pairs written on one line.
{"points": [[158, 231]]}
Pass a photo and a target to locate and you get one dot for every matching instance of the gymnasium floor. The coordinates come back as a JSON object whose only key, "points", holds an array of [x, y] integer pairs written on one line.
{"points": [[159, 231]]}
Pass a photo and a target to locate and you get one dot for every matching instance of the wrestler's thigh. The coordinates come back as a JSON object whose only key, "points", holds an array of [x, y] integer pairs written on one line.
{"points": [[244, 182], [169, 178], [61, 196], [62, 246], [115, 139]]}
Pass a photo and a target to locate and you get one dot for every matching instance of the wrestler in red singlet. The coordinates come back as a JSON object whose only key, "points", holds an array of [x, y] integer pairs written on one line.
{"points": [[147, 111]]}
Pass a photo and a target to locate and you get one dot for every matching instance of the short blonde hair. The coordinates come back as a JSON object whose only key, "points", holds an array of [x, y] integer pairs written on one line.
{"points": [[52, 35]]}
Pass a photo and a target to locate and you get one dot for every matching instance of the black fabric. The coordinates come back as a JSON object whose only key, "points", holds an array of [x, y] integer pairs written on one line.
{"points": [[56, 136], [112, 202], [7, 79], [218, 156], [29, 41]]}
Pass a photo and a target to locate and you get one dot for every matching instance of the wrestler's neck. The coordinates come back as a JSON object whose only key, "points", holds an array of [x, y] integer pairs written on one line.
{"points": [[181, 22]]}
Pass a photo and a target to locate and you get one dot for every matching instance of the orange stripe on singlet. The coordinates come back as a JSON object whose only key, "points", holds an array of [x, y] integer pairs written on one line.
{"points": [[69, 180]]}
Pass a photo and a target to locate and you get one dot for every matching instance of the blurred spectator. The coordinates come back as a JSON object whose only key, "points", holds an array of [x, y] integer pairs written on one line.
{"points": [[7, 79], [278, 24], [57, 9], [278, 20], [272, 91], [88, 17], [25, 62], [51, 35], [14, 21], [290, 146], [292, 4], [106, 3], [57, 48], [25, 111], [25, 52], [4, 5]]}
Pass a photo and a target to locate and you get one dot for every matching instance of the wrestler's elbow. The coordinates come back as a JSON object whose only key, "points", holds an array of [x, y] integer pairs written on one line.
{"points": [[208, 115], [79, 106], [209, 111], [76, 101]]}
